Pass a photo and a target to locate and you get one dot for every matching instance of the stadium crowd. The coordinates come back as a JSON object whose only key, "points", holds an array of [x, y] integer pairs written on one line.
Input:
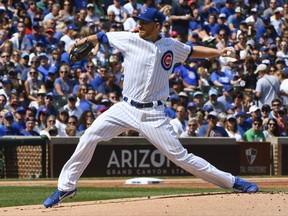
{"points": [[44, 93]]}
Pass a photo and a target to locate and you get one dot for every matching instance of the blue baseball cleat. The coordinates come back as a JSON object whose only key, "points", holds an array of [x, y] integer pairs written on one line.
{"points": [[58, 196], [245, 186]]}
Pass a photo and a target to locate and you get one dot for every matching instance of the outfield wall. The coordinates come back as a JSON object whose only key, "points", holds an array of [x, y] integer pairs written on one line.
{"points": [[135, 156]]}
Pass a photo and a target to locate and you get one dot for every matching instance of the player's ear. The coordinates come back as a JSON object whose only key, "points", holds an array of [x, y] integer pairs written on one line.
{"points": [[158, 26]]}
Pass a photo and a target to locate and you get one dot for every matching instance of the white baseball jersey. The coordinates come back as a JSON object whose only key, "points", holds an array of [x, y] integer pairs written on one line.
{"points": [[148, 65], [146, 73]]}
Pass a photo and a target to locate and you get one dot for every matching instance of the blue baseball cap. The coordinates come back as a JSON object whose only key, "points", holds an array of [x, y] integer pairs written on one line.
{"points": [[25, 54], [6, 80], [35, 24], [240, 114], [53, 70], [213, 92], [227, 88], [264, 48], [43, 54], [285, 70], [8, 115], [229, 107], [197, 93], [72, 27], [151, 15], [192, 104], [208, 108], [21, 109]]}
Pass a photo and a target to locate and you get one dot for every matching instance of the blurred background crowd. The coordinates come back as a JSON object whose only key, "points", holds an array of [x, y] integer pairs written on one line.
{"points": [[244, 96]]}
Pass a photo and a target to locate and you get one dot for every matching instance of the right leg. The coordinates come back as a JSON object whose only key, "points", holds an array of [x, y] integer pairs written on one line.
{"points": [[108, 125]]}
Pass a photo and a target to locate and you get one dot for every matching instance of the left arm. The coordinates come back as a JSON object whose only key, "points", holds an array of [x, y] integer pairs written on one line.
{"points": [[206, 52]]}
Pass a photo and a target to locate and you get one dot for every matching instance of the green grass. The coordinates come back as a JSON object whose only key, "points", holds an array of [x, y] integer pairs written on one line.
{"points": [[18, 195]]}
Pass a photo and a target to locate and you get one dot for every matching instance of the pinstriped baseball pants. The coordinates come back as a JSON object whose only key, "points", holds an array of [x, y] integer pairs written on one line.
{"points": [[154, 126]]}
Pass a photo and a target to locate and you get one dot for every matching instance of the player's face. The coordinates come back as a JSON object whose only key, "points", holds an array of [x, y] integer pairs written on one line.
{"points": [[149, 30]]}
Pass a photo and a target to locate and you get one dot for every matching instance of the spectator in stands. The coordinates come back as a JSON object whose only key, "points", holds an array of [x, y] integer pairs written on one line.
{"points": [[272, 7], [33, 85], [80, 18], [170, 108], [63, 85], [180, 16], [51, 129], [19, 117], [71, 106], [109, 85], [238, 98], [20, 41], [51, 44], [192, 129], [272, 129], [180, 123], [48, 105], [228, 9], [62, 121], [222, 118], [29, 127], [220, 25], [8, 129], [282, 121], [265, 111], [3, 101], [2, 113], [191, 109], [91, 16], [73, 120], [91, 72], [254, 112], [70, 36], [71, 130], [226, 97], [191, 80], [218, 77], [131, 5], [6, 87], [242, 124], [212, 18], [54, 14], [235, 19], [232, 129], [66, 13], [85, 120], [112, 96], [130, 24], [267, 87], [208, 9], [36, 35], [88, 103], [121, 14], [44, 65], [255, 134], [199, 115], [211, 129], [254, 19], [276, 104], [198, 99], [213, 96]]}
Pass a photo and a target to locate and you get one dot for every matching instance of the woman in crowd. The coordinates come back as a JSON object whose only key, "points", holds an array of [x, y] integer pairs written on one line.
{"points": [[33, 85], [272, 128], [63, 85], [232, 129]]}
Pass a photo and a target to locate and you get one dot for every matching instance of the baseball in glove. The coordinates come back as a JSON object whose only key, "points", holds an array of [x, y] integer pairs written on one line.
{"points": [[78, 52]]}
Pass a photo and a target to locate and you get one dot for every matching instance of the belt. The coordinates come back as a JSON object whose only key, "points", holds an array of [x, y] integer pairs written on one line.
{"points": [[142, 105]]}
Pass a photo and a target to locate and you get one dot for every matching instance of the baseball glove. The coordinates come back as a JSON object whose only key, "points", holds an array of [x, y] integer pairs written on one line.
{"points": [[78, 52]]}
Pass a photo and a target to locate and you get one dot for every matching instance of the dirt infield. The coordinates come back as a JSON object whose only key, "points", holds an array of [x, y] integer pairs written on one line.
{"points": [[262, 203]]}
